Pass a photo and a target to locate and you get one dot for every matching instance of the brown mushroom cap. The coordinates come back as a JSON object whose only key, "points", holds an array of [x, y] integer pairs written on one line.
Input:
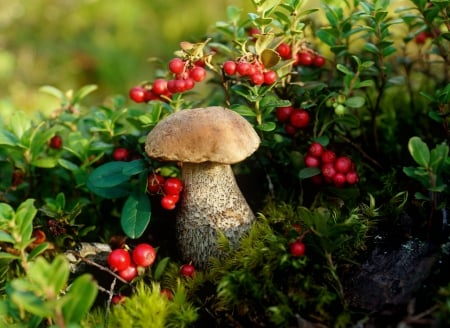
{"points": [[213, 134]]}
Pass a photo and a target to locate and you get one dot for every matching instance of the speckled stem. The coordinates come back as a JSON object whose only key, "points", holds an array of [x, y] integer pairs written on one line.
{"points": [[211, 201]]}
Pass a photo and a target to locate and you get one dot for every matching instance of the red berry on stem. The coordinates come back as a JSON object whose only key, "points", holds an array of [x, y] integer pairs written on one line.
{"points": [[56, 142], [316, 149], [173, 186], [197, 73], [311, 161], [343, 164], [283, 113], [305, 58], [159, 86], [189, 83], [243, 68], [167, 293], [137, 94], [144, 255], [328, 156], [339, 179], [121, 154], [319, 61], [352, 178], [299, 118], [187, 270], [176, 65], [328, 171], [155, 183], [129, 273], [168, 202], [297, 248], [229, 67], [290, 129], [270, 77], [116, 299], [257, 78], [284, 50], [119, 259]]}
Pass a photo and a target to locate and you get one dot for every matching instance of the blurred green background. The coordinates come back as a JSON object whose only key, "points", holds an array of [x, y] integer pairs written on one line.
{"points": [[70, 43]]}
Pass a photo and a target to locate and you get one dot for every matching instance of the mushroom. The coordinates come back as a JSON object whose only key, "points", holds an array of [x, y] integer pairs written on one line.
{"points": [[206, 141]]}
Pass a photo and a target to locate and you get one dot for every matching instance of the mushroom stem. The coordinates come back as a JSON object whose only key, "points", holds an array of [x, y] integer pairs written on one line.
{"points": [[211, 202]]}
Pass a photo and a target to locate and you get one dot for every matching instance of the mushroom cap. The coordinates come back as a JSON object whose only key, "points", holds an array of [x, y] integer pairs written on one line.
{"points": [[213, 134]]}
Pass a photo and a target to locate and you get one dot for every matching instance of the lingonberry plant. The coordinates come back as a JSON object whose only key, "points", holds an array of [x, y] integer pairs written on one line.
{"points": [[351, 104]]}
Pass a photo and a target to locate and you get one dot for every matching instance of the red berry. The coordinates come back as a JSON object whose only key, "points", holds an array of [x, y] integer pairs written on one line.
{"points": [[167, 293], [137, 94], [129, 273], [39, 236], [299, 118], [421, 37], [319, 61], [168, 202], [176, 65], [343, 164], [317, 179], [150, 95], [253, 31], [197, 73], [305, 58], [284, 113], [297, 248], [316, 149], [270, 77], [144, 255], [117, 299], [311, 161], [229, 67], [284, 50], [257, 78], [189, 83], [328, 171], [119, 259], [328, 156], [352, 178], [159, 86], [121, 154], [290, 129], [173, 186], [155, 183], [243, 68], [56, 142], [339, 179], [180, 86], [187, 270]]}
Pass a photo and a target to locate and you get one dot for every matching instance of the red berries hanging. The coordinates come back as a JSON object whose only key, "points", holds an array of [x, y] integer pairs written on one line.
{"points": [[252, 69], [127, 264], [339, 171], [169, 188], [293, 118]]}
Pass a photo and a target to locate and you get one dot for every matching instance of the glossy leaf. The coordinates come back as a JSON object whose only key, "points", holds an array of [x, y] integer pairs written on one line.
{"points": [[79, 299], [419, 151], [136, 214]]}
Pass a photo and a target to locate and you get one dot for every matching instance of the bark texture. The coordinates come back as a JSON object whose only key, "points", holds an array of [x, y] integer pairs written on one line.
{"points": [[211, 202]]}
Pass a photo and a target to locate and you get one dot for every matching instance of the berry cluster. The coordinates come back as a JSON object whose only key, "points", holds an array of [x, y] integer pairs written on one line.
{"points": [[185, 74], [170, 189], [127, 265], [293, 118], [338, 103], [339, 171], [253, 69], [303, 57]]}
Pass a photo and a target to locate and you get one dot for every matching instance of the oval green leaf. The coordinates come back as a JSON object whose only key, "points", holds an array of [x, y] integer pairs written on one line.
{"points": [[136, 214]]}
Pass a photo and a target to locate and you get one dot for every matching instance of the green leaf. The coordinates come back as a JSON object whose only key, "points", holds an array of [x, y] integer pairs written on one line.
{"points": [[20, 123], [81, 297], [108, 175], [6, 213], [8, 138], [68, 165], [37, 250], [117, 191], [266, 126], [83, 92], [8, 256], [419, 151], [344, 69], [262, 43], [365, 83], [50, 90], [134, 167], [6, 237], [46, 163], [327, 36], [160, 268], [308, 172], [136, 214], [243, 110], [349, 120], [355, 102], [389, 50], [370, 47], [438, 156], [29, 301], [268, 5], [25, 214]]}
